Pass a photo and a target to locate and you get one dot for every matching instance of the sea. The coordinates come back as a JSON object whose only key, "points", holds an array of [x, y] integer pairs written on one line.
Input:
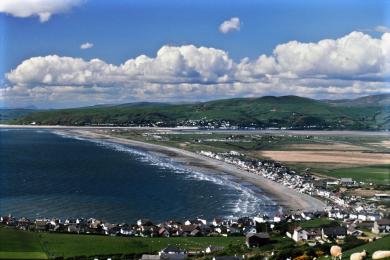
{"points": [[47, 173]]}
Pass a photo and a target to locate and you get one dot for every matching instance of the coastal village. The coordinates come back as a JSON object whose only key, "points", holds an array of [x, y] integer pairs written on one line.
{"points": [[345, 218], [333, 227], [195, 130], [339, 206]]}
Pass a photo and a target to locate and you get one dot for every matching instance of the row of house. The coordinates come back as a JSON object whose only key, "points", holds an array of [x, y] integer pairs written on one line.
{"points": [[195, 227], [143, 227], [323, 234], [353, 206]]}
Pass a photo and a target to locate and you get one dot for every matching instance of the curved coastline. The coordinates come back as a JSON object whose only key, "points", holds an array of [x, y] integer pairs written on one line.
{"points": [[285, 197]]}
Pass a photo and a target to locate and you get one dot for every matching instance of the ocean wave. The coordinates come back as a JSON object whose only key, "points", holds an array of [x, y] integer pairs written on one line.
{"points": [[249, 202]]}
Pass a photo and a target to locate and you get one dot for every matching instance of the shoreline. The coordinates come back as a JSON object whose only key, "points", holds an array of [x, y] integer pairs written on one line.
{"points": [[285, 197]]}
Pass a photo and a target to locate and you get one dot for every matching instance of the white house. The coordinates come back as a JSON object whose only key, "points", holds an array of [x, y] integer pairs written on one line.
{"points": [[362, 217], [277, 218], [353, 216], [298, 234]]}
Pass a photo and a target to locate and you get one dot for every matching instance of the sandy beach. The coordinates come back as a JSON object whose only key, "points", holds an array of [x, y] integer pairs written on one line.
{"points": [[286, 197]]}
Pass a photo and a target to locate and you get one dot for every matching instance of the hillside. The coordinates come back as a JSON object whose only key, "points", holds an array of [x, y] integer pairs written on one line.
{"points": [[7, 114], [269, 111], [373, 100]]}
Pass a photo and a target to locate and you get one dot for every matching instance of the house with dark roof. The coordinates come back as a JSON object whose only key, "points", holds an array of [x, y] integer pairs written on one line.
{"points": [[189, 230], [381, 226], [257, 239], [347, 182], [333, 232]]}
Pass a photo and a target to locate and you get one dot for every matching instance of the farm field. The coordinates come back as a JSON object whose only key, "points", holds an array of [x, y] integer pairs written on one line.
{"points": [[331, 157], [375, 174]]}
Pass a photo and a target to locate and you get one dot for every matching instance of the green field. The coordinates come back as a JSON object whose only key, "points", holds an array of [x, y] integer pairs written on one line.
{"points": [[316, 223], [380, 244], [23, 255], [379, 174], [21, 244]]}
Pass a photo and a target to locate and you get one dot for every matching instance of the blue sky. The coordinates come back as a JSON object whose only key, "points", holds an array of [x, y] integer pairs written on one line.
{"points": [[120, 30]]}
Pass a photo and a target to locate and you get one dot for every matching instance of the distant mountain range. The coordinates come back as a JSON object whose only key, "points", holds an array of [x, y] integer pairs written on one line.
{"points": [[374, 100], [365, 113]]}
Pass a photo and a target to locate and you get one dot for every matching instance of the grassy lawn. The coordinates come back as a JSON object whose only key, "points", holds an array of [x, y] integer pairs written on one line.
{"points": [[316, 223], [379, 174], [23, 255], [380, 244], [20, 244]]}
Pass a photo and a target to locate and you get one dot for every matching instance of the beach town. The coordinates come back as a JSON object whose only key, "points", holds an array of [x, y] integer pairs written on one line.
{"points": [[343, 218]]}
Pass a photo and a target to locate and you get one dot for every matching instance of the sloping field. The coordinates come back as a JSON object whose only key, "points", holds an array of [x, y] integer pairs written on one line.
{"points": [[380, 244], [20, 245], [16, 244]]}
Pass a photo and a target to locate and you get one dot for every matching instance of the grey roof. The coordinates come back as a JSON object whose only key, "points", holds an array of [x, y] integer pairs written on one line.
{"points": [[259, 235], [150, 257], [384, 221], [335, 231]]}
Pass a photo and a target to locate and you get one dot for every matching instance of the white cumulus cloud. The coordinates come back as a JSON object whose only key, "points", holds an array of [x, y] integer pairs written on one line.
{"points": [[171, 65], [86, 45], [44, 9], [355, 64], [233, 24], [354, 55]]}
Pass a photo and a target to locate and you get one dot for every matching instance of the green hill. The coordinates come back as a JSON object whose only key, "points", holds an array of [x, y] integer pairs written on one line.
{"points": [[7, 114], [373, 100], [264, 112]]}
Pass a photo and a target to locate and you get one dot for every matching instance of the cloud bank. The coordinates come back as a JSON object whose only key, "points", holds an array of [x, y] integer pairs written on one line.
{"points": [[233, 24], [44, 9], [356, 64]]}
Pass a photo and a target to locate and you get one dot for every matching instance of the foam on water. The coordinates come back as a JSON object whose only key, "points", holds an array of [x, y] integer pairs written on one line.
{"points": [[251, 201]]}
